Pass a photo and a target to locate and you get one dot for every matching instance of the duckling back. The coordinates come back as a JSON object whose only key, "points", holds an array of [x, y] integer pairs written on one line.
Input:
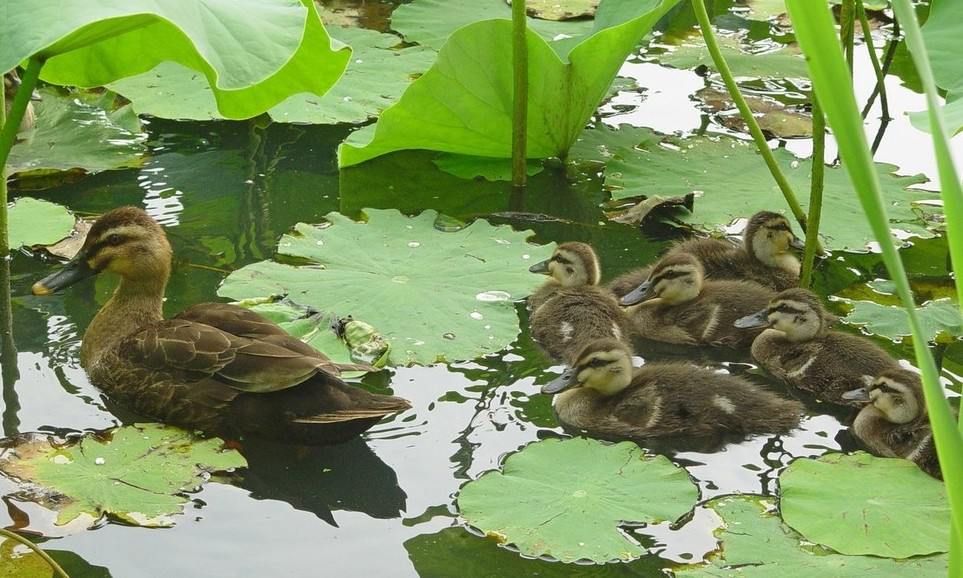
{"points": [[723, 260], [571, 317]]}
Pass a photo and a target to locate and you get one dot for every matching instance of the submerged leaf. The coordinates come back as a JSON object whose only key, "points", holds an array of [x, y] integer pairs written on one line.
{"points": [[417, 285], [772, 116], [139, 475], [488, 168], [940, 317], [561, 9], [780, 63], [566, 498], [36, 222]]}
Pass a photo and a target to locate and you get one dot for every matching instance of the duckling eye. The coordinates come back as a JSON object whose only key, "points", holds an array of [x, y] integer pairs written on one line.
{"points": [[597, 363], [115, 239]]}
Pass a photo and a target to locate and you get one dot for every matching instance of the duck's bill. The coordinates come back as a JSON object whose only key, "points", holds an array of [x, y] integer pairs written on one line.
{"points": [[540, 267], [797, 243], [757, 319], [637, 295], [860, 394], [73, 272], [561, 383]]}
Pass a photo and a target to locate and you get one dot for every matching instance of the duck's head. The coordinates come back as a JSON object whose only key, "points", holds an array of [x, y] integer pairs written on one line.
{"points": [[796, 312], [769, 237], [125, 241], [674, 279], [571, 265], [896, 393], [604, 365]]}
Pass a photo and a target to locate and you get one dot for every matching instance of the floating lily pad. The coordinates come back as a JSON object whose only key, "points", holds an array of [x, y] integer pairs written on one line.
{"points": [[772, 116], [755, 544], [952, 114], [766, 9], [34, 222], [561, 9], [940, 319], [779, 63], [138, 475], [861, 504], [434, 295], [735, 183], [488, 168], [72, 133], [18, 561], [567, 498]]}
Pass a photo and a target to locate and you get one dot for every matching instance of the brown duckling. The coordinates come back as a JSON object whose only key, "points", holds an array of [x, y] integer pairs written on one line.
{"points": [[800, 348], [764, 256], [678, 305], [606, 397], [894, 422], [570, 309], [216, 367]]}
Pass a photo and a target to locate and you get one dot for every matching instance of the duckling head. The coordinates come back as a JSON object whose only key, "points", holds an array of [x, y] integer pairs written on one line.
{"points": [[571, 265], [604, 365], [769, 237], [896, 393], [675, 279], [125, 241], [795, 312]]}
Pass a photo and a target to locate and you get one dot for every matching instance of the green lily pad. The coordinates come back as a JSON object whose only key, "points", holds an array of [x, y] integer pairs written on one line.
{"points": [[34, 222], [861, 504], [756, 544], [73, 133], [766, 9], [566, 498], [941, 34], [488, 168], [18, 561], [434, 295], [779, 63], [952, 115], [772, 116], [463, 104], [940, 319], [138, 475], [250, 65], [734, 182], [561, 9]]}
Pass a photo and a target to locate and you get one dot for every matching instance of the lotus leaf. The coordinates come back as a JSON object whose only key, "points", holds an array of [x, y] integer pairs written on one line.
{"points": [[138, 475], [939, 318], [735, 183], [566, 498], [755, 544], [780, 63], [952, 112], [941, 33], [561, 9], [463, 104], [861, 504], [434, 295], [35, 222], [18, 561]]}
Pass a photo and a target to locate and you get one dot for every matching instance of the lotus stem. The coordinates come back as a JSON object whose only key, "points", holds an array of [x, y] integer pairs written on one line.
{"points": [[816, 192], [723, 67], [847, 30], [887, 61], [519, 94], [877, 68], [37, 549]]}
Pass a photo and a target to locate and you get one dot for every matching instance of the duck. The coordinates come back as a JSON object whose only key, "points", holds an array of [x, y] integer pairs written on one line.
{"points": [[570, 308], [677, 304], [215, 367], [799, 347], [603, 395], [893, 421], [765, 256]]}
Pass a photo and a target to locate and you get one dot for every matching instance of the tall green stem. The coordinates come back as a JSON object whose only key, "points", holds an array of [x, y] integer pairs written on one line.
{"points": [[847, 30], [710, 38], [37, 549], [816, 191], [520, 94], [873, 58]]}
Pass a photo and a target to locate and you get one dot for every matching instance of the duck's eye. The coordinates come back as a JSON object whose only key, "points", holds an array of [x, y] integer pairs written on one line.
{"points": [[597, 363], [115, 239]]}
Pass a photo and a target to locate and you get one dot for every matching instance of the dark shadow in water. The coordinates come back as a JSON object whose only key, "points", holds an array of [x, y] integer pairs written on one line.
{"points": [[323, 480], [9, 372]]}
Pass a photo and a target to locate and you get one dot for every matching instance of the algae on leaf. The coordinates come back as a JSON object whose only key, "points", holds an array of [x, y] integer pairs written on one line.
{"points": [[433, 295], [35, 222], [138, 474], [567, 498]]}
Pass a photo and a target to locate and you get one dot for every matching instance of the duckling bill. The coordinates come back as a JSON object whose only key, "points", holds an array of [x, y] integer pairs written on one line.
{"points": [[215, 367]]}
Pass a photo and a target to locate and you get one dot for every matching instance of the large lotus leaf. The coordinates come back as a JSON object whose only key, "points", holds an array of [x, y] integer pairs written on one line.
{"points": [[254, 53], [35, 222], [784, 62], [376, 76], [434, 295], [431, 22], [18, 561], [755, 544], [861, 504], [734, 182], [71, 133], [463, 104], [566, 498], [940, 317], [952, 113], [941, 33], [138, 475]]}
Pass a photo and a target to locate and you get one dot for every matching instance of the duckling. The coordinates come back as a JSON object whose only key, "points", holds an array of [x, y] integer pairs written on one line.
{"points": [[800, 348], [570, 308], [894, 422], [678, 305], [606, 397], [11, 82], [764, 257], [215, 367]]}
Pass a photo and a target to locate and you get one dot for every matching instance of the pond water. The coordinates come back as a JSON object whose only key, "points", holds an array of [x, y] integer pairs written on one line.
{"points": [[383, 504]]}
